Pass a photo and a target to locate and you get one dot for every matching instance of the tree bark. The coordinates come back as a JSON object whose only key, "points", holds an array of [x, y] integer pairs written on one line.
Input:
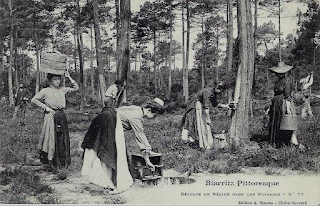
{"points": [[38, 64], [80, 50], [229, 45], [158, 63], [118, 32], [102, 83], [183, 51], [239, 130], [75, 36], [155, 62], [255, 33], [267, 69], [11, 100], [124, 67], [16, 66], [203, 54], [217, 54], [170, 53], [24, 68], [254, 48], [174, 60], [187, 54], [280, 59], [91, 60], [2, 61]]}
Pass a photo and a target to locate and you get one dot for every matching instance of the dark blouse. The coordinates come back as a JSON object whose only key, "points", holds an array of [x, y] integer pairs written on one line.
{"points": [[205, 96], [283, 86]]}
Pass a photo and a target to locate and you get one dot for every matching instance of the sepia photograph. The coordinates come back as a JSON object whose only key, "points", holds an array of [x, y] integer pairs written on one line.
{"points": [[160, 102]]}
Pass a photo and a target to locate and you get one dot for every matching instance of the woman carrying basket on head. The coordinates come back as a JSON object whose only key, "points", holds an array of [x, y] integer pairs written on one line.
{"points": [[54, 142]]}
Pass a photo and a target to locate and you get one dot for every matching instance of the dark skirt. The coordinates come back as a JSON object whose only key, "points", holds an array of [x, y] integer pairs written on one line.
{"points": [[189, 122], [277, 137], [101, 137], [61, 158]]}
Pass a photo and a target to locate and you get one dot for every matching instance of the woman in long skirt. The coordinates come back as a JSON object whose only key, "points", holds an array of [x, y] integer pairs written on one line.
{"points": [[195, 123], [282, 103], [54, 142], [105, 159]]}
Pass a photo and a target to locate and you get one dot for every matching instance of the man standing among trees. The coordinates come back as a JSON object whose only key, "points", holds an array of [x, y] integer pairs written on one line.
{"points": [[113, 93], [21, 96], [306, 83]]}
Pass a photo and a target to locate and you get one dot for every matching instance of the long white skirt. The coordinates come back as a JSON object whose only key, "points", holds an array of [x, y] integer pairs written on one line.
{"points": [[203, 130], [97, 172]]}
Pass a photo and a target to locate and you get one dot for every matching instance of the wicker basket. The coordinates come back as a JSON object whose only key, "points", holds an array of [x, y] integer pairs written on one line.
{"points": [[53, 62], [289, 122]]}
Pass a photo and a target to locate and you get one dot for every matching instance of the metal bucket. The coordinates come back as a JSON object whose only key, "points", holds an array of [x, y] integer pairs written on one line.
{"points": [[289, 122]]}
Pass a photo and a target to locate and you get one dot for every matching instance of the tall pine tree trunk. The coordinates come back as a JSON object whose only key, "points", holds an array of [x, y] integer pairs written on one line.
{"points": [[118, 32], [187, 54], [75, 36], [16, 66], [156, 76], [80, 50], [91, 60], [279, 19], [183, 51], [239, 130], [203, 54], [174, 61], [37, 64], [158, 63], [254, 49], [102, 83], [11, 100], [229, 44], [2, 48], [135, 60], [217, 54], [170, 53], [24, 68], [125, 16], [267, 69], [255, 34]]}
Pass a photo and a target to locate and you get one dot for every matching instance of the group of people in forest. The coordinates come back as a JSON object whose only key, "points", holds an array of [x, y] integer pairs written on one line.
{"points": [[105, 160], [105, 157]]}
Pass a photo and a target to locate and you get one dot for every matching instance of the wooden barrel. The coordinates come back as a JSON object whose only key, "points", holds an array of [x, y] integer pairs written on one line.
{"points": [[289, 122]]}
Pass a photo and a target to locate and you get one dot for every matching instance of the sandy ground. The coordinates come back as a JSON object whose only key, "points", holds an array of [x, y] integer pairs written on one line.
{"points": [[301, 188], [292, 188]]}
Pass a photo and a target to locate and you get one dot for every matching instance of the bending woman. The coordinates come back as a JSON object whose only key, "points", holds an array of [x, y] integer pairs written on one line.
{"points": [[54, 142], [196, 120], [105, 161]]}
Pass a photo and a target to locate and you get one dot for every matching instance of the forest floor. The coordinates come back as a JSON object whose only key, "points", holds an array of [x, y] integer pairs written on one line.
{"points": [[186, 167]]}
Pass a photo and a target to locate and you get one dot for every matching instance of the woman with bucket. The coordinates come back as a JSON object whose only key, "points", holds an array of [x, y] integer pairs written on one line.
{"points": [[283, 122], [105, 159], [195, 123]]}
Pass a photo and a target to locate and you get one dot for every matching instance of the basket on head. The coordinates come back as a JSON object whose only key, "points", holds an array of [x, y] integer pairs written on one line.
{"points": [[53, 62]]}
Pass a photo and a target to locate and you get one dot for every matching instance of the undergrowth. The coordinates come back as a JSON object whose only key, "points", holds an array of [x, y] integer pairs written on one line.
{"points": [[21, 185]]}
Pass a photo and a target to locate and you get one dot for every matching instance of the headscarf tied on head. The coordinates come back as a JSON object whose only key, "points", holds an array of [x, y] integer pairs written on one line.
{"points": [[156, 106]]}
